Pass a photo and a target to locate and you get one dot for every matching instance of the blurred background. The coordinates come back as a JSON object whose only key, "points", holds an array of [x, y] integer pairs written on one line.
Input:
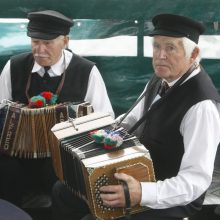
{"points": [[113, 34]]}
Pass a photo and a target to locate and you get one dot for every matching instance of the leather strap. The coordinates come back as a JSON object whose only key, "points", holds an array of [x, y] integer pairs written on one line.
{"points": [[179, 82], [127, 200]]}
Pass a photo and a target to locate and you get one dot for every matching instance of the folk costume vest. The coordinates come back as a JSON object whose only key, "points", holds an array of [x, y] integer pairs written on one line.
{"points": [[75, 83]]}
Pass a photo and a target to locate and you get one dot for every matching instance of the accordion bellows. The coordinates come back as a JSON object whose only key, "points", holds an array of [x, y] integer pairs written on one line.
{"points": [[26, 132], [86, 165]]}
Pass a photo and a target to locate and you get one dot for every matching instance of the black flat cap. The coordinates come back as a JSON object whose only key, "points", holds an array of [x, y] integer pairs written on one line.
{"points": [[48, 25], [177, 26]]}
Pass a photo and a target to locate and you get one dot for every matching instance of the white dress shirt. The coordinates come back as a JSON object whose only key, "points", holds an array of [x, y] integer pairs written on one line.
{"points": [[96, 93], [200, 129]]}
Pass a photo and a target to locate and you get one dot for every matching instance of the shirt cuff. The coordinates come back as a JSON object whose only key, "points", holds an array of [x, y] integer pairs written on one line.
{"points": [[149, 194]]}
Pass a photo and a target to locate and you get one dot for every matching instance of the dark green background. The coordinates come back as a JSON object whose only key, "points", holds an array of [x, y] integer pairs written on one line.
{"points": [[125, 77]]}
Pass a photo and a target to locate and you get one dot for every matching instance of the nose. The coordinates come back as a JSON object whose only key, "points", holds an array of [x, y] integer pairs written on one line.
{"points": [[40, 48], [162, 54]]}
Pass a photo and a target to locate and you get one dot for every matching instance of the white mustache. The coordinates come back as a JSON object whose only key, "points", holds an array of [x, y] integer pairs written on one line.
{"points": [[41, 55]]}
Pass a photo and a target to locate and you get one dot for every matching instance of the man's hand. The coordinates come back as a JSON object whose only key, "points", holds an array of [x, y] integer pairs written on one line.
{"points": [[113, 195]]}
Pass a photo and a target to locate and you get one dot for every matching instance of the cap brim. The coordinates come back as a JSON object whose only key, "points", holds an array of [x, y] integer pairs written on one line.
{"points": [[168, 33], [43, 36]]}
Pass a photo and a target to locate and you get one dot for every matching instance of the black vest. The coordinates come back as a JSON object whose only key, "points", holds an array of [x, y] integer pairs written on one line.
{"points": [[74, 88], [161, 133]]}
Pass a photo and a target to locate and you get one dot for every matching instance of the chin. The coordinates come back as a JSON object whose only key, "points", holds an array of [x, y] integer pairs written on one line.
{"points": [[42, 63], [161, 74]]}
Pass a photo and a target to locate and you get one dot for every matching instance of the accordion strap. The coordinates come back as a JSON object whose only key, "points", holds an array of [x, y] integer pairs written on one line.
{"points": [[127, 199], [179, 82]]}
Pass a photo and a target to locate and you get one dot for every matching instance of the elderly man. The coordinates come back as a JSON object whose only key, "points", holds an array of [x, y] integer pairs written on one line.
{"points": [[180, 126], [49, 67], [178, 120]]}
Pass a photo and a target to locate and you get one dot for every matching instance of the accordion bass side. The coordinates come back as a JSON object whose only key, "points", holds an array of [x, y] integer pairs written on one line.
{"points": [[26, 132], [86, 165]]}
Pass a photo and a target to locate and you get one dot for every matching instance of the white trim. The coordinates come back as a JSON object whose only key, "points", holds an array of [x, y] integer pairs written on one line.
{"points": [[114, 46], [13, 20]]}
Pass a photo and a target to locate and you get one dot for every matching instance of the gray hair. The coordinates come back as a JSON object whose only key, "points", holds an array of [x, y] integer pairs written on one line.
{"points": [[189, 46]]}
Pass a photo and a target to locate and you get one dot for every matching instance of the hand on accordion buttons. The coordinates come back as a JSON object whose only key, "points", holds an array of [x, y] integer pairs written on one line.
{"points": [[113, 195]]}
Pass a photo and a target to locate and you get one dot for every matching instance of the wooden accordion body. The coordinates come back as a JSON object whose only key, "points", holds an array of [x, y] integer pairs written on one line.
{"points": [[26, 132], [86, 165]]}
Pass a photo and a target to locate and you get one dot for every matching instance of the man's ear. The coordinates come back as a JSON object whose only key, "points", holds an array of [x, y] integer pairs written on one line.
{"points": [[66, 41], [195, 53]]}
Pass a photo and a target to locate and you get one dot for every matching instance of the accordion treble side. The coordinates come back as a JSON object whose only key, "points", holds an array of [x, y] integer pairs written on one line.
{"points": [[86, 165]]}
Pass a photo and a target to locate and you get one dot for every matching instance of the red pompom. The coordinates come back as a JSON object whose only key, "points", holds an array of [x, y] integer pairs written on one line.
{"points": [[47, 95], [39, 103], [108, 147]]}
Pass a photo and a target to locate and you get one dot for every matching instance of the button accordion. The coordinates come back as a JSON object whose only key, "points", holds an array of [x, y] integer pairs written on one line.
{"points": [[26, 132], [86, 165]]}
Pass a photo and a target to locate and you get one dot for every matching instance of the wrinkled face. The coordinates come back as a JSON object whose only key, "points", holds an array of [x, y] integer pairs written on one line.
{"points": [[169, 59], [48, 52]]}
